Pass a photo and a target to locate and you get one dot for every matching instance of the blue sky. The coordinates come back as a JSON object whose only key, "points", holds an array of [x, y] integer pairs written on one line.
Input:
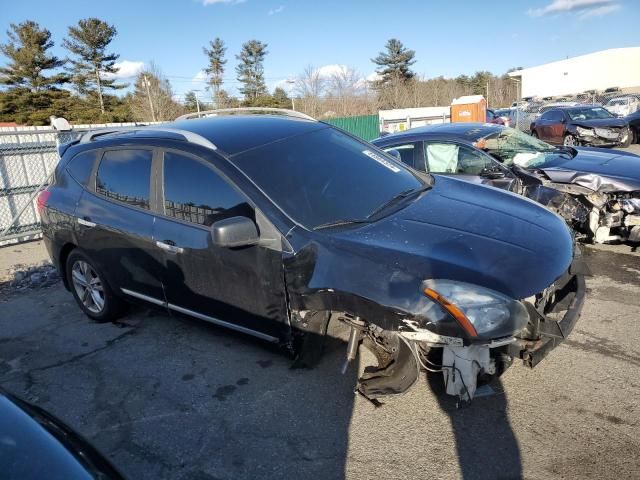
{"points": [[450, 37]]}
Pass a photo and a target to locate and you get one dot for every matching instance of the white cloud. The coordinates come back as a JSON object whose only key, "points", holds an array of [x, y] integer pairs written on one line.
{"points": [[584, 8], [275, 11], [287, 84], [374, 77], [126, 69], [199, 77], [599, 11], [327, 71], [215, 2]]}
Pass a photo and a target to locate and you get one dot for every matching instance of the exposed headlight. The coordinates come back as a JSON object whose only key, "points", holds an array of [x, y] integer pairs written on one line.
{"points": [[478, 310], [587, 132]]}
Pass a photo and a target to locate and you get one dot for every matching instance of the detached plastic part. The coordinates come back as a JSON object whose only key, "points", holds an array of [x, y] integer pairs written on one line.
{"points": [[397, 376], [461, 367]]}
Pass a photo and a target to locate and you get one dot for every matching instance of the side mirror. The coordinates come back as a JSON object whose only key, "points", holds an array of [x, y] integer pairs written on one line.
{"points": [[395, 153], [234, 232]]}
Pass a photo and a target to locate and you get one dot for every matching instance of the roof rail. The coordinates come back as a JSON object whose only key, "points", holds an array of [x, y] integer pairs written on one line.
{"points": [[246, 110], [185, 134]]}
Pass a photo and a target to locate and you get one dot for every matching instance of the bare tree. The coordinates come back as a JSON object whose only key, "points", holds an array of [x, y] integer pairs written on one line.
{"points": [[344, 84], [152, 99], [310, 87]]}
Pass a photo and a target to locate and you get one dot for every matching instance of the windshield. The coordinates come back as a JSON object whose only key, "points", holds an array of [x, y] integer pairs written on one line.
{"points": [[325, 176], [593, 113], [514, 147], [617, 101]]}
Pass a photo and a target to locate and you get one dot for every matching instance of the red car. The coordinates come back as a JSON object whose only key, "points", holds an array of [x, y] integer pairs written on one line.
{"points": [[581, 125], [494, 117]]}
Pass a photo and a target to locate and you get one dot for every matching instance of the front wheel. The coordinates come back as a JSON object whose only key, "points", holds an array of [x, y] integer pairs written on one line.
{"points": [[570, 141], [628, 141], [534, 134], [90, 290]]}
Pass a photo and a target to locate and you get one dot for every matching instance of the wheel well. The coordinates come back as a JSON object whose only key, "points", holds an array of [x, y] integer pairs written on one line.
{"points": [[64, 254]]}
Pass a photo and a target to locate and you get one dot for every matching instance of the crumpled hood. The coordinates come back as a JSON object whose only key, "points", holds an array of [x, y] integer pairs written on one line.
{"points": [[598, 169], [456, 230], [601, 123]]}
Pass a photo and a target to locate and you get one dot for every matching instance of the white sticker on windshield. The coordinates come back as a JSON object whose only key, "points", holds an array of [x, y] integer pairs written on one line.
{"points": [[382, 161]]}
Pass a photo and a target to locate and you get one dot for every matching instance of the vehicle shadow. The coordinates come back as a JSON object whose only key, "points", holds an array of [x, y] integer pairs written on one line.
{"points": [[482, 432], [257, 416]]}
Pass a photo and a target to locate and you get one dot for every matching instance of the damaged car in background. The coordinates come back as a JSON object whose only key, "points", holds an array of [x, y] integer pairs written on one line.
{"points": [[581, 125], [274, 224], [596, 191]]}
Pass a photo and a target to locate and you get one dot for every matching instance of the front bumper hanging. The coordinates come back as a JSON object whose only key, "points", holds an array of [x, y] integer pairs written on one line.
{"points": [[547, 331]]}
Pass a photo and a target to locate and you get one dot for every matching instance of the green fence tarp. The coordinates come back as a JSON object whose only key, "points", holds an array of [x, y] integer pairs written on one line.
{"points": [[363, 126]]}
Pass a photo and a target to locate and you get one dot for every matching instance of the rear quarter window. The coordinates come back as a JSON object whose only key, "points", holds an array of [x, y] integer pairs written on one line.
{"points": [[81, 166]]}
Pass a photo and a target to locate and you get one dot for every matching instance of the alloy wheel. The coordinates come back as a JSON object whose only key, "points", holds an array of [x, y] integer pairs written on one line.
{"points": [[88, 286], [569, 141]]}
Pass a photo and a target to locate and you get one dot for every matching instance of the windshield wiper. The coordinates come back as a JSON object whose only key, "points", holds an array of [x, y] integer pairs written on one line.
{"points": [[396, 198], [338, 223]]}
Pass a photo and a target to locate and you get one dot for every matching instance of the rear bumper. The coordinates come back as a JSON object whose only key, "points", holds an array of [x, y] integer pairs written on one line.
{"points": [[551, 332]]}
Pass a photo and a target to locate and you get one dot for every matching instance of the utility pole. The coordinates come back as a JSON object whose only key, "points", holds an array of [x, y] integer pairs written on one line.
{"points": [[195, 94], [487, 93], [293, 99], [147, 84]]}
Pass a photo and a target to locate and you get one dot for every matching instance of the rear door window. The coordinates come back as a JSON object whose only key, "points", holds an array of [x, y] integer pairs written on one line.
{"points": [[195, 193], [124, 176], [451, 158]]}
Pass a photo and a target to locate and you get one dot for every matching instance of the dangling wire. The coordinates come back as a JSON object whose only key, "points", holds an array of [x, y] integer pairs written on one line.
{"points": [[412, 346]]}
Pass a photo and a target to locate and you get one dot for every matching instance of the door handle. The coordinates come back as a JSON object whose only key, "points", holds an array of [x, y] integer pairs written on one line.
{"points": [[169, 248], [86, 222]]}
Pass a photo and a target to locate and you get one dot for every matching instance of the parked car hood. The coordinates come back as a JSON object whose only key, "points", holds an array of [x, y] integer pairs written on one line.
{"points": [[456, 230], [35, 445], [598, 169], [601, 123]]}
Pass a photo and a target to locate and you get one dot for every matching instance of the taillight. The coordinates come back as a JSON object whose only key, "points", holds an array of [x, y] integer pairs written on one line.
{"points": [[41, 201]]}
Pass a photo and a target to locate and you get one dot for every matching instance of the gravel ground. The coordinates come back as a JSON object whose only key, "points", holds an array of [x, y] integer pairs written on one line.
{"points": [[170, 397]]}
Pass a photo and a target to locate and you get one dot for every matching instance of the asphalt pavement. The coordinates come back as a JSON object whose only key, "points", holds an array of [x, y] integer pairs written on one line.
{"points": [[171, 397]]}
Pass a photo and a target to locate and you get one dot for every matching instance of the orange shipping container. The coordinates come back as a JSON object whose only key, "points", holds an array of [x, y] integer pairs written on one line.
{"points": [[470, 108]]}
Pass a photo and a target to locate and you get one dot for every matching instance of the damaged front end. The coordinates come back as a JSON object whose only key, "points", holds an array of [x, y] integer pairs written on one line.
{"points": [[546, 320], [475, 333], [596, 208]]}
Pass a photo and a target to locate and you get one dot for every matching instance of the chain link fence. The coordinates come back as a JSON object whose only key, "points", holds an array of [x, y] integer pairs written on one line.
{"points": [[523, 113], [28, 157]]}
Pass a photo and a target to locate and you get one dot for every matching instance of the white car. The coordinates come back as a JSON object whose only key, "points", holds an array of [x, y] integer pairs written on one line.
{"points": [[623, 106]]}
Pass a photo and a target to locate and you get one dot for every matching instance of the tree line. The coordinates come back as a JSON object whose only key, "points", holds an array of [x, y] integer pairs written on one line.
{"points": [[83, 86]]}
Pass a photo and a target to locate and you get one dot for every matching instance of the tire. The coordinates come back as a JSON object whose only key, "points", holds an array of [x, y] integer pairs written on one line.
{"points": [[534, 134], [91, 291], [629, 140], [570, 141]]}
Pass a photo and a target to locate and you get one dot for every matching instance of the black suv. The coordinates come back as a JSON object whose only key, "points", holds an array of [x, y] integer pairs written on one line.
{"points": [[273, 223]]}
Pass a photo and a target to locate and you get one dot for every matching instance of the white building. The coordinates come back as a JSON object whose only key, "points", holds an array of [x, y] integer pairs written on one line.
{"points": [[617, 67]]}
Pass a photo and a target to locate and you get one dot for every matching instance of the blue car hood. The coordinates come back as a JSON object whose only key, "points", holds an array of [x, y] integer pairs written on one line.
{"points": [[458, 231]]}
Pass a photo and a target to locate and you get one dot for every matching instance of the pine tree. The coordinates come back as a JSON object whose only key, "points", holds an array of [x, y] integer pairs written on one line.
{"points": [[395, 63], [251, 69], [28, 59], [191, 101], [93, 66], [215, 70], [281, 99]]}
